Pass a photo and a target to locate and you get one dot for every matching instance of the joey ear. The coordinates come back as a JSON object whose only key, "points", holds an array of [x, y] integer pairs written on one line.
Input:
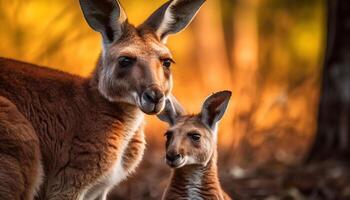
{"points": [[104, 16], [173, 17], [214, 108], [172, 111]]}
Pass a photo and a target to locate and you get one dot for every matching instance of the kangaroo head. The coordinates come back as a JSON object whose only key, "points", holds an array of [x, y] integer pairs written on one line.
{"points": [[134, 66], [191, 139]]}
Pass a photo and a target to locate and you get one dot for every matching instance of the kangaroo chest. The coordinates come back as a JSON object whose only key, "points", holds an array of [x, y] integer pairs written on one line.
{"points": [[94, 161], [194, 185], [113, 169]]}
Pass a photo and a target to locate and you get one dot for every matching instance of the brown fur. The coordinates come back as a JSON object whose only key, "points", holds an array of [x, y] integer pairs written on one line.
{"points": [[20, 169], [89, 131], [191, 149], [182, 181], [80, 131], [197, 179], [134, 151]]}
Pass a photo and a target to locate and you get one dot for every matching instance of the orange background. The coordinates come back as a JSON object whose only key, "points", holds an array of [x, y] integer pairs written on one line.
{"points": [[268, 52]]}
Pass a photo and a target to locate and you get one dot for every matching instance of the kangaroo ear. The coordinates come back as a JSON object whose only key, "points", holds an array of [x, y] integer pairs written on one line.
{"points": [[104, 16], [172, 17], [172, 111], [214, 108]]}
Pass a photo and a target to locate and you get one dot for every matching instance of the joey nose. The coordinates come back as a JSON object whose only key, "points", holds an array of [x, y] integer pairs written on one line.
{"points": [[173, 157]]}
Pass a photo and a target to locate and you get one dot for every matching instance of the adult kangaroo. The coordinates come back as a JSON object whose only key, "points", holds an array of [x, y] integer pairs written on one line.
{"points": [[85, 135]]}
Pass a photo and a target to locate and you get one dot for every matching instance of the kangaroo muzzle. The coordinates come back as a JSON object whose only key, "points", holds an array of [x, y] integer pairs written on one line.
{"points": [[174, 159], [152, 100]]}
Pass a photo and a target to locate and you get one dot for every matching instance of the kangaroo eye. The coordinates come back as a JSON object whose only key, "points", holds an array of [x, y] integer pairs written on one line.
{"points": [[167, 62], [168, 135], [125, 61], [194, 136]]}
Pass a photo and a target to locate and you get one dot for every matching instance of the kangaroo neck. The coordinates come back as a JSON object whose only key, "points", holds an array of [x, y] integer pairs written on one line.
{"points": [[195, 181]]}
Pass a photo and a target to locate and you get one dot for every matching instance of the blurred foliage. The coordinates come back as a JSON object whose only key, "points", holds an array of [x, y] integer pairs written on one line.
{"points": [[269, 52]]}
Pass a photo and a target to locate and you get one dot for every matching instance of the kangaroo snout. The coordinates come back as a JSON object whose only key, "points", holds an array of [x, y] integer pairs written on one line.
{"points": [[174, 159], [152, 100]]}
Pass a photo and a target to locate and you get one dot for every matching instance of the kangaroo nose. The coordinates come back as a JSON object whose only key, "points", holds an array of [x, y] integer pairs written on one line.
{"points": [[152, 100], [152, 95], [172, 157]]}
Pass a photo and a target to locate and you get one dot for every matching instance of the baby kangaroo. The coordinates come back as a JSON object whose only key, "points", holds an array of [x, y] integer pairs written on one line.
{"points": [[191, 144]]}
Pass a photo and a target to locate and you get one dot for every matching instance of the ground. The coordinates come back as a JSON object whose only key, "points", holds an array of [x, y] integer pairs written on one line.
{"points": [[320, 180]]}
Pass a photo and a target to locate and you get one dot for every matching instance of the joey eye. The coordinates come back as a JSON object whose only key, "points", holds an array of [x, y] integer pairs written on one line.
{"points": [[125, 61], [194, 136], [168, 135], [167, 62]]}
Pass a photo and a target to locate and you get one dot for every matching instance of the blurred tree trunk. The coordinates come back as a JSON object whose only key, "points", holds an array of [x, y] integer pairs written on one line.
{"points": [[333, 130], [245, 62], [211, 52], [212, 59]]}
